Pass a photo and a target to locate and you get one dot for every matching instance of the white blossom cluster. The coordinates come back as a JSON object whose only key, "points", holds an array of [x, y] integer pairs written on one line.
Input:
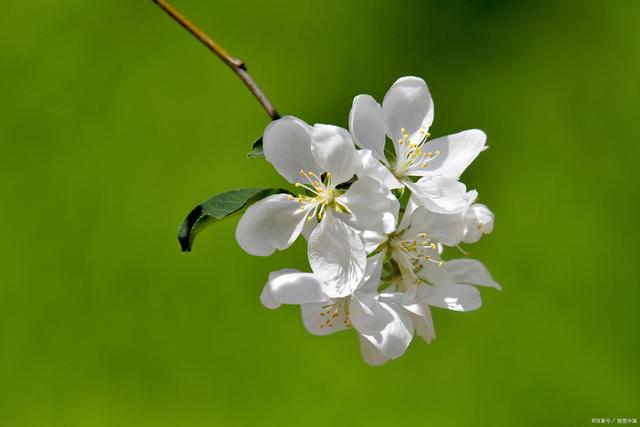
{"points": [[377, 205]]}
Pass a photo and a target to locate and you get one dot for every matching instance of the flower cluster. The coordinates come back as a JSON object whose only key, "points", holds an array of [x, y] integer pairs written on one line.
{"points": [[377, 205]]}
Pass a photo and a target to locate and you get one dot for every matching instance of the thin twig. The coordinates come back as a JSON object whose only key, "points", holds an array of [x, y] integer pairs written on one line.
{"points": [[235, 64]]}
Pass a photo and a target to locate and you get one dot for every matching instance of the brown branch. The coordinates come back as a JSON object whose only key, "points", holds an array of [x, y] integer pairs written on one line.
{"points": [[235, 64]]}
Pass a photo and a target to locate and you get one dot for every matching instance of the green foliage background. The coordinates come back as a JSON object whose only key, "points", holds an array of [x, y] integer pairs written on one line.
{"points": [[114, 123]]}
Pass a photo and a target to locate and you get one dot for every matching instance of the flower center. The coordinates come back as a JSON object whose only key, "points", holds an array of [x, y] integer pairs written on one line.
{"points": [[410, 155], [330, 312], [322, 195], [411, 254]]}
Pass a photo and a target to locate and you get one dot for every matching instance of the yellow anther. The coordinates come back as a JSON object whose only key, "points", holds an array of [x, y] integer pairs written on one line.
{"points": [[440, 263], [423, 235], [401, 141], [309, 218], [437, 152], [301, 172], [297, 184], [290, 197], [311, 173]]}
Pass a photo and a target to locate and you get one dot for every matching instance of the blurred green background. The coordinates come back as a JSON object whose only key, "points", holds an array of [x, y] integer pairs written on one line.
{"points": [[114, 123]]}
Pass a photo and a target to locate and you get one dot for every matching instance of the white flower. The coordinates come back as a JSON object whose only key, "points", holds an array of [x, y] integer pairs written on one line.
{"points": [[405, 117], [317, 160], [451, 289], [384, 328]]}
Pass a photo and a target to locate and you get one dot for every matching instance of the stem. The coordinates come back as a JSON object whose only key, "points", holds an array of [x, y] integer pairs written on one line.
{"points": [[237, 65]]}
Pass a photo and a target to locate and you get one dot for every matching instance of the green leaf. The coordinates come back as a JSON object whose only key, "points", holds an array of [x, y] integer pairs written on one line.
{"points": [[256, 150], [217, 208]]}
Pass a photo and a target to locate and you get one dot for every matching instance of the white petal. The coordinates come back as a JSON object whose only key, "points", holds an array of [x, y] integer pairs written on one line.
{"points": [[469, 271], [372, 272], [478, 220], [334, 151], [367, 125], [452, 297], [370, 353], [408, 105], [408, 212], [272, 223], [337, 255], [442, 195], [372, 240], [369, 166], [267, 299], [295, 287], [424, 326], [390, 336], [287, 146], [309, 226], [442, 228], [457, 151], [372, 205], [367, 315], [319, 319]]}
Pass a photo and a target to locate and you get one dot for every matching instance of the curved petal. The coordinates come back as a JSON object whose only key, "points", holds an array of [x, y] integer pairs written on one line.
{"points": [[337, 255], [442, 228], [442, 195], [267, 299], [295, 287], [372, 205], [408, 105], [424, 326], [469, 271], [390, 336], [457, 151], [369, 166], [287, 146], [367, 125], [326, 317], [334, 151], [372, 272], [370, 353], [478, 220], [451, 297], [272, 223]]}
